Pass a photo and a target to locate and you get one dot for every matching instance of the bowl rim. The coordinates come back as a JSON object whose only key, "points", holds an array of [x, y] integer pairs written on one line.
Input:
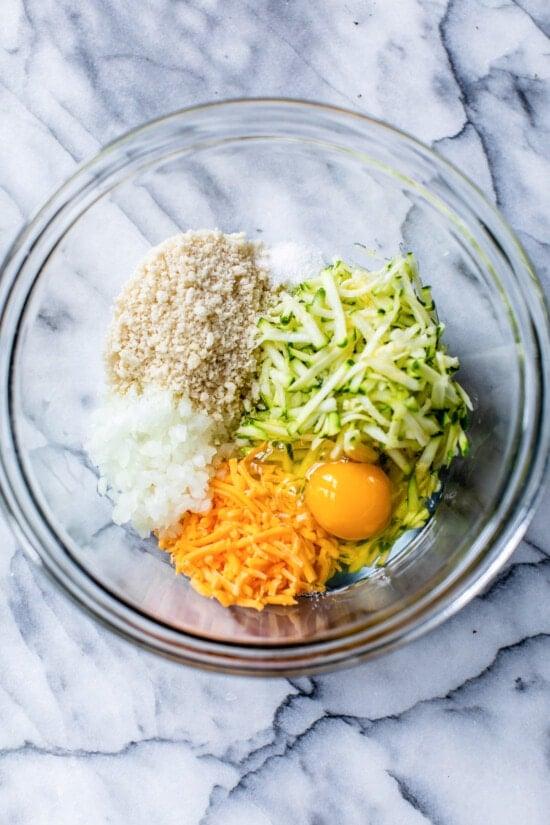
{"points": [[348, 648]]}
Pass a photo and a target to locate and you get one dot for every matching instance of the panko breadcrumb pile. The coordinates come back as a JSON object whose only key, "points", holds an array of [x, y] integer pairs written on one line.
{"points": [[186, 321]]}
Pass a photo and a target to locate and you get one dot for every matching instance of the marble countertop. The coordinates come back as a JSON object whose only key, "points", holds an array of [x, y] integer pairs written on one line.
{"points": [[455, 728]]}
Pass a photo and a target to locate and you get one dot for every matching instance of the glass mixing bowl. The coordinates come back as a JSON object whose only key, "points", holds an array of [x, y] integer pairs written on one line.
{"points": [[280, 171]]}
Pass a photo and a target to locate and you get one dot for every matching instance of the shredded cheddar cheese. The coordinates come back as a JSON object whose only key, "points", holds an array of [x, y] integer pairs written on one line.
{"points": [[258, 544]]}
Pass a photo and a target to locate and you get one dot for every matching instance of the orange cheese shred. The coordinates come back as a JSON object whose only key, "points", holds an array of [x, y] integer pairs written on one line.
{"points": [[258, 544]]}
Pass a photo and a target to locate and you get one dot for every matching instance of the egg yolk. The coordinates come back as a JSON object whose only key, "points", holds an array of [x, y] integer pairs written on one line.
{"points": [[349, 500]]}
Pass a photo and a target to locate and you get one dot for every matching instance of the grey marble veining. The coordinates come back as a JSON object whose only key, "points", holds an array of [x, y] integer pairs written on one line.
{"points": [[455, 728]]}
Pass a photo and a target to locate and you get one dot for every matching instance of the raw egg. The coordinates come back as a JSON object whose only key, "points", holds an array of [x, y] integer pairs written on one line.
{"points": [[348, 499]]}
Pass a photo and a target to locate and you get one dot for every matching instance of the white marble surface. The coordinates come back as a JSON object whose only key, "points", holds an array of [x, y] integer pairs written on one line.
{"points": [[454, 729]]}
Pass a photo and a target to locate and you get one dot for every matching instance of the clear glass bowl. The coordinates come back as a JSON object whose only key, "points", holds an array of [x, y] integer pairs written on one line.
{"points": [[279, 170]]}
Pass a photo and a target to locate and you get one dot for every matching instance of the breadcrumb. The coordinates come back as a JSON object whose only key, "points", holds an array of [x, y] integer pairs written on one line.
{"points": [[186, 321]]}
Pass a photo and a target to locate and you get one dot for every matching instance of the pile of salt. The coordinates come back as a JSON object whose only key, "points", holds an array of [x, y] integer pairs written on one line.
{"points": [[291, 263]]}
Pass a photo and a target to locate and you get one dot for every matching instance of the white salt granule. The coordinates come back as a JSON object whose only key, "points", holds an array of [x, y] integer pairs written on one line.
{"points": [[154, 455], [291, 263]]}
